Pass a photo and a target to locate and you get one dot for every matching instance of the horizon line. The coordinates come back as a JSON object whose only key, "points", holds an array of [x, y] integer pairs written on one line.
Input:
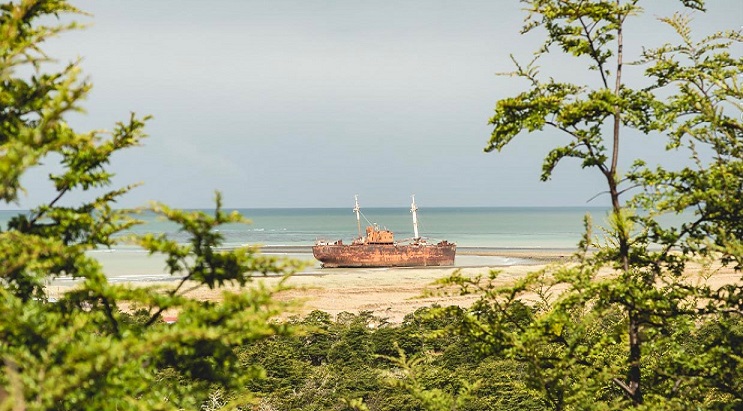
{"points": [[344, 207]]}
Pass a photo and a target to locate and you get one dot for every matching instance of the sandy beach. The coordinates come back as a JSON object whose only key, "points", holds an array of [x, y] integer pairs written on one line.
{"points": [[396, 292], [391, 293]]}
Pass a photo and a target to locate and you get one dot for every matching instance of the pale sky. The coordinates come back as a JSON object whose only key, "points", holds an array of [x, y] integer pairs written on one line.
{"points": [[306, 103]]}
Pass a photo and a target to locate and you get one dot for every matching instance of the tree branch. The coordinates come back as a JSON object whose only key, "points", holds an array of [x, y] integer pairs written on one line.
{"points": [[627, 390], [51, 204], [171, 293], [594, 52], [583, 142]]}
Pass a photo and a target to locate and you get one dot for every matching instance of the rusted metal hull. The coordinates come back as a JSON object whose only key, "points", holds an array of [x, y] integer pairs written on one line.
{"points": [[385, 255]]}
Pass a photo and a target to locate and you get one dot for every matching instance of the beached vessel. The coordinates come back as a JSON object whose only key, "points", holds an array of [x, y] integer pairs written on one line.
{"points": [[379, 249]]}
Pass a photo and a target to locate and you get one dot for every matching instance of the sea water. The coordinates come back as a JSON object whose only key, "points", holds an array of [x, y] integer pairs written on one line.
{"points": [[467, 227], [291, 232]]}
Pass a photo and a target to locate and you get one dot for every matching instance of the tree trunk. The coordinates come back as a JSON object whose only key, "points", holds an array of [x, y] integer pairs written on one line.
{"points": [[633, 387]]}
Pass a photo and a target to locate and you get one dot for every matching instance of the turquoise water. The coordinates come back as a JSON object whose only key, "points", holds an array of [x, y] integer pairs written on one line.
{"points": [[290, 233], [468, 227]]}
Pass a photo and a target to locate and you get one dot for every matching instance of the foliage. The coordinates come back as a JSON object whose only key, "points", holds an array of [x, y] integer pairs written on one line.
{"points": [[623, 327], [82, 352], [431, 372]]}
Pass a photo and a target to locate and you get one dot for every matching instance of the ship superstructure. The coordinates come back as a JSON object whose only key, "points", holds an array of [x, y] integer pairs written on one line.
{"points": [[379, 249]]}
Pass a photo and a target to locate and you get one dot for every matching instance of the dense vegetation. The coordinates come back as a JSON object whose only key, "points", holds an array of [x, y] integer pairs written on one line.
{"points": [[624, 326], [361, 362]]}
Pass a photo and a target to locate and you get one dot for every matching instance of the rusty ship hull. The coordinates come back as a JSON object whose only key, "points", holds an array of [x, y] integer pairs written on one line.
{"points": [[385, 255]]}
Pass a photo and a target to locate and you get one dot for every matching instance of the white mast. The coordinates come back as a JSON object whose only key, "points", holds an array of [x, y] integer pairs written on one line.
{"points": [[413, 210], [358, 217]]}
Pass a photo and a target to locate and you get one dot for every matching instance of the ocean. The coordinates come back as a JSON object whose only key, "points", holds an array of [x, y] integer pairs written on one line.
{"points": [[489, 227], [467, 227], [291, 232]]}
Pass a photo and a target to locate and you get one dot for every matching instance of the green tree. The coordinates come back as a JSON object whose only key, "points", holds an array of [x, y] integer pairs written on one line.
{"points": [[623, 327], [82, 352]]}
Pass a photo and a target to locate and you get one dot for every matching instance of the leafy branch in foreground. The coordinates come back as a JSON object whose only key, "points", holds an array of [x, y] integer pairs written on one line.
{"points": [[617, 328], [84, 352]]}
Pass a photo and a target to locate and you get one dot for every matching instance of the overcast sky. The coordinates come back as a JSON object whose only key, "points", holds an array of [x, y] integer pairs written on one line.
{"points": [[306, 103]]}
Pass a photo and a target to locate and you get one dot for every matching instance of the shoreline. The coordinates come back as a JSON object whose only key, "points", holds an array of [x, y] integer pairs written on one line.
{"points": [[391, 293], [132, 265], [534, 253]]}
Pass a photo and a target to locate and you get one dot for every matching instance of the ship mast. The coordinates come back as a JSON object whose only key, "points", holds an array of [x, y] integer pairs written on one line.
{"points": [[356, 210], [414, 209]]}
